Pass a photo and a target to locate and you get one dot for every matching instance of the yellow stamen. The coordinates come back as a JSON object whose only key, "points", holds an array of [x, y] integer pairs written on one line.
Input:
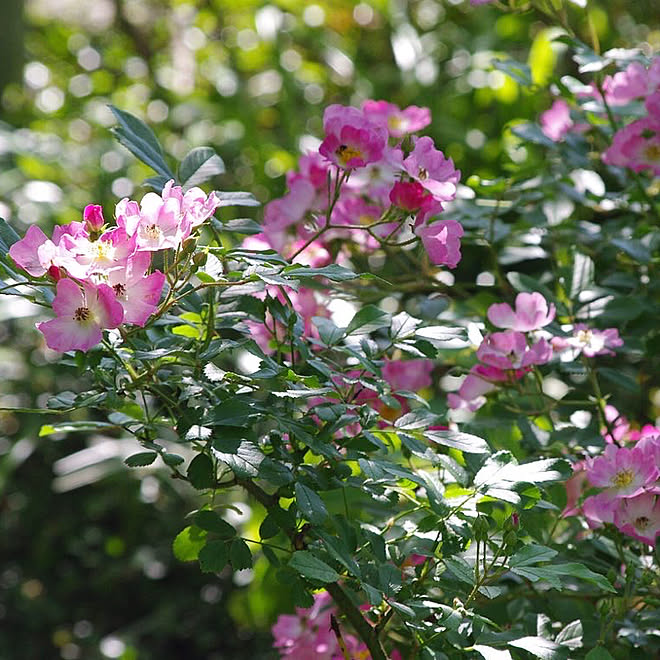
{"points": [[623, 478]]}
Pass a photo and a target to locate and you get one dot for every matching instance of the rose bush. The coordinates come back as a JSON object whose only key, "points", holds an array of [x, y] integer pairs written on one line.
{"points": [[407, 433]]}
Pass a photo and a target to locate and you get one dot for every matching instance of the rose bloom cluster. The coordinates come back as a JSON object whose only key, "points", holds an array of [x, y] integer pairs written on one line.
{"points": [[308, 635], [103, 274], [507, 355], [636, 145], [627, 483], [371, 182]]}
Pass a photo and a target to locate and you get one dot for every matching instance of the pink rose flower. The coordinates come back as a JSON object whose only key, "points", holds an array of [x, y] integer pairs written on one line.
{"points": [[429, 167], [81, 316], [623, 472], [636, 146], [509, 350], [589, 341], [442, 242], [556, 121], [639, 517], [352, 140], [532, 313], [137, 292], [26, 254], [398, 122]]}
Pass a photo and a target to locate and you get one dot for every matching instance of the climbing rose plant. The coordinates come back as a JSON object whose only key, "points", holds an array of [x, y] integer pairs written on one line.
{"points": [[439, 466]]}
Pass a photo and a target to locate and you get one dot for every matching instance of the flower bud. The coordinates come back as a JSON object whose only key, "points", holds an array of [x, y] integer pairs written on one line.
{"points": [[93, 217], [200, 259]]}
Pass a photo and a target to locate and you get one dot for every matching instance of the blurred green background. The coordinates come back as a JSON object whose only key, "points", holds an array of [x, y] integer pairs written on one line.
{"points": [[86, 569]]}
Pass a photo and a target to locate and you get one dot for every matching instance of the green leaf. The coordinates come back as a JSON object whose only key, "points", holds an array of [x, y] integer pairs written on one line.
{"points": [[461, 569], [554, 573], [329, 333], [213, 522], [236, 198], [213, 557], [531, 554], [234, 412], [242, 226], [339, 552], [172, 459], [245, 462], [275, 472], [140, 140], [466, 442], [201, 473], [268, 528], [571, 635], [489, 653], [368, 319], [520, 72], [636, 249], [310, 504], [240, 555], [142, 459], [198, 166], [188, 543], [582, 277], [541, 648], [309, 566], [8, 236], [333, 272]]}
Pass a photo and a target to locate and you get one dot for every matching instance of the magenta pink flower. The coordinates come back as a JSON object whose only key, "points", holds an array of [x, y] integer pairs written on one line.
{"points": [[509, 350], [532, 313], [628, 85], [589, 341], [352, 140], [639, 517], [623, 472], [312, 167], [556, 121], [25, 252], [636, 146], [307, 634], [137, 292], [83, 258], [411, 375], [600, 509], [194, 205], [165, 221], [442, 242], [481, 380], [81, 316], [430, 167], [398, 122]]}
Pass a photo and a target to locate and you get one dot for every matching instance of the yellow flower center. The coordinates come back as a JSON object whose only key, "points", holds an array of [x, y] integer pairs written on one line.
{"points": [[652, 152], [345, 153], [584, 336], [152, 232], [642, 522], [422, 174], [82, 314], [365, 219], [395, 123], [623, 478]]}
